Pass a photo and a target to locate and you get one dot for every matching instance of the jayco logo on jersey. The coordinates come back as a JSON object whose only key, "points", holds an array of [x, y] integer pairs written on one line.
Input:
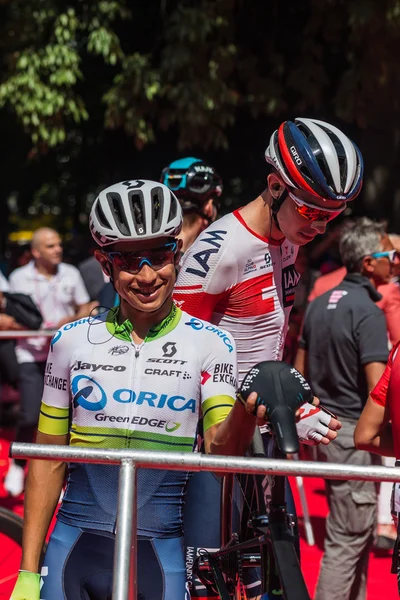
{"points": [[211, 238], [84, 366], [88, 394], [197, 325]]}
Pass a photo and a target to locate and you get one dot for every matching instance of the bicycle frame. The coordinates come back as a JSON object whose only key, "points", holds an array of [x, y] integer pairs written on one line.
{"points": [[277, 557]]}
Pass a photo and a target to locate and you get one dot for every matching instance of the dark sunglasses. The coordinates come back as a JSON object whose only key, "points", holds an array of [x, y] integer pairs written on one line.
{"points": [[132, 262]]}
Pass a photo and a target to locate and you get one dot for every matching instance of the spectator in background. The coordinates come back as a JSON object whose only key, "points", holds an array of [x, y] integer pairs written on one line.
{"points": [[390, 291], [92, 275], [343, 352], [390, 304], [60, 294]]}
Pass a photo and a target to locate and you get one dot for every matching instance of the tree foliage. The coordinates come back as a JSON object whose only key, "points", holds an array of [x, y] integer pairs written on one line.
{"points": [[211, 76]]}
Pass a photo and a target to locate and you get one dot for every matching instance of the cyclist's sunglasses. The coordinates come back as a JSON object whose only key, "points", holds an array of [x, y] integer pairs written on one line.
{"points": [[132, 262], [392, 255], [311, 212], [179, 180]]}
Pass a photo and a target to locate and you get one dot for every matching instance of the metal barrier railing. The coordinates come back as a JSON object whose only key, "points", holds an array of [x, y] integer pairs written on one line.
{"points": [[125, 567], [26, 333]]}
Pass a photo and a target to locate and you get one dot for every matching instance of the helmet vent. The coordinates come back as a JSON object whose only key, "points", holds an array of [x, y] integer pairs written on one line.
{"points": [[173, 208], [137, 208], [117, 209], [157, 204], [102, 217]]}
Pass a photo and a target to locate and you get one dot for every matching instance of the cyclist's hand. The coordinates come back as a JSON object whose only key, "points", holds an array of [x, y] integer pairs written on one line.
{"points": [[251, 407], [316, 426], [27, 586]]}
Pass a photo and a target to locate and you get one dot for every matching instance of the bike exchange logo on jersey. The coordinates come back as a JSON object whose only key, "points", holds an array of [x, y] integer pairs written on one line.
{"points": [[224, 373]]}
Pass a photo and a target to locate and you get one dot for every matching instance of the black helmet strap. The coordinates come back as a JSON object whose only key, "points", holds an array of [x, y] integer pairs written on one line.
{"points": [[276, 204]]}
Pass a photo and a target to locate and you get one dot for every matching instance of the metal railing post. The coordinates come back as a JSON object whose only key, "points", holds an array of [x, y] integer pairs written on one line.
{"points": [[125, 550]]}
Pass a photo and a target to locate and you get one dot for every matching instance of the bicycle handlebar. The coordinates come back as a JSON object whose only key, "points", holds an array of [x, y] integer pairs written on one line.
{"points": [[282, 390]]}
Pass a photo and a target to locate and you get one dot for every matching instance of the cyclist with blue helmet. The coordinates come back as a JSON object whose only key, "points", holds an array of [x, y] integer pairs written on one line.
{"points": [[198, 187]]}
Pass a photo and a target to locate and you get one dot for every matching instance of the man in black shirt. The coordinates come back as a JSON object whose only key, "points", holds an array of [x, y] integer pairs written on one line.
{"points": [[343, 352]]}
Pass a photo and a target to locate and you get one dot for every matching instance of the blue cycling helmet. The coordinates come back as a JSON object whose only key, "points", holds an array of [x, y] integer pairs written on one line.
{"points": [[193, 181]]}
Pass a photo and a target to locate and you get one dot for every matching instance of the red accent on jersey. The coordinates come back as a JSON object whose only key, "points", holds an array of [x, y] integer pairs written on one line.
{"points": [[387, 393], [260, 237], [248, 298], [205, 377], [379, 393], [243, 283]]}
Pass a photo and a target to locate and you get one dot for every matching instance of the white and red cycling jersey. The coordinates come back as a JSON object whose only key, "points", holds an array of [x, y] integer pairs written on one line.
{"points": [[242, 282]]}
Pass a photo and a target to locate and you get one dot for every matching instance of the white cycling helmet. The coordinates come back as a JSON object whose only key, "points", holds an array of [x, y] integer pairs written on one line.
{"points": [[134, 210], [317, 157]]}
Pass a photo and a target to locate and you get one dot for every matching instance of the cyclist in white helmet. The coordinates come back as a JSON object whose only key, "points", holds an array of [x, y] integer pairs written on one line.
{"points": [[132, 377], [240, 274]]}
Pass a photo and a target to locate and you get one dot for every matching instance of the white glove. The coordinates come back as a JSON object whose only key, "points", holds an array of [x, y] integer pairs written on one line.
{"points": [[313, 424]]}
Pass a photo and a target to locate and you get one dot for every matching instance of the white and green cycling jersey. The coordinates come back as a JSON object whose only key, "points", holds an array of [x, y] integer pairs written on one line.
{"points": [[108, 392]]}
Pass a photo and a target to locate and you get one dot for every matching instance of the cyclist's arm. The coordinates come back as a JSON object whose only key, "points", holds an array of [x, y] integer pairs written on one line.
{"points": [[374, 430], [45, 478], [233, 436], [43, 488], [301, 362]]}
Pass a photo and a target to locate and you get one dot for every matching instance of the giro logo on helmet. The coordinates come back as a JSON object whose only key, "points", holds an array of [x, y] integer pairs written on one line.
{"points": [[295, 155]]}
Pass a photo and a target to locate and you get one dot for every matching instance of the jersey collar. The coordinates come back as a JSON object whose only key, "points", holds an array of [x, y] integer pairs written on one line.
{"points": [[124, 330]]}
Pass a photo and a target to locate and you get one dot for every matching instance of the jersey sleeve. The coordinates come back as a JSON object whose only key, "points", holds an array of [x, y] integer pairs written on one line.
{"points": [[379, 393], [206, 274], [218, 380], [390, 305], [55, 407], [372, 338]]}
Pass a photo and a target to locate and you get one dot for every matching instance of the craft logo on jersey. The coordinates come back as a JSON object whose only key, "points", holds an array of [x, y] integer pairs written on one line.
{"points": [[197, 325], [334, 298], [210, 238], [250, 267], [168, 373], [169, 349], [290, 279]]}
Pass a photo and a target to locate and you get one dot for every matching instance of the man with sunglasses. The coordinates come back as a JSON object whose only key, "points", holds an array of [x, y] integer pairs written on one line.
{"points": [[343, 353], [198, 187], [240, 274], [136, 376]]}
